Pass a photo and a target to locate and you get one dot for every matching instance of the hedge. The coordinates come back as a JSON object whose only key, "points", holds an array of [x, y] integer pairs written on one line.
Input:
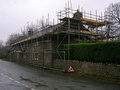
{"points": [[94, 52]]}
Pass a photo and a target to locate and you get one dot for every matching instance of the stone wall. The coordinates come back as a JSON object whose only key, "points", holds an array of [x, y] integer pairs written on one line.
{"points": [[97, 69], [36, 54]]}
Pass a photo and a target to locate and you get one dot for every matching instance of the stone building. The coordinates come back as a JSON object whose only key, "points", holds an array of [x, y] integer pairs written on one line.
{"points": [[41, 47]]}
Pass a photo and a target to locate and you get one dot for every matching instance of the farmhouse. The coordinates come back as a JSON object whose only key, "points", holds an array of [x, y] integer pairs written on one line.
{"points": [[40, 47]]}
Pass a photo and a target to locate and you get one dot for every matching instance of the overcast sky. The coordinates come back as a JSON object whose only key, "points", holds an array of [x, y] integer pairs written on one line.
{"points": [[14, 14]]}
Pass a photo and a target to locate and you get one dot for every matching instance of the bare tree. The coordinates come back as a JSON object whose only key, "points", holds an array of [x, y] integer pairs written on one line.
{"points": [[113, 14], [1, 43], [1, 49], [113, 11], [11, 39]]}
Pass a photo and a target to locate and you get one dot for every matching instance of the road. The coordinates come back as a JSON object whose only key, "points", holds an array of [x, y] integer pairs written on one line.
{"points": [[19, 77]]}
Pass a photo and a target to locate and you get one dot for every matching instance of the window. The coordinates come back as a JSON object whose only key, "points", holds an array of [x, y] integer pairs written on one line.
{"points": [[24, 55], [35, 56], [18, 55]]}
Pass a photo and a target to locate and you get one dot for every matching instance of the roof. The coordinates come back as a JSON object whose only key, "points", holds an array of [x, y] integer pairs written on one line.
{"points": [[39, 32], [90, 33], [92, 23], [53, 28]]}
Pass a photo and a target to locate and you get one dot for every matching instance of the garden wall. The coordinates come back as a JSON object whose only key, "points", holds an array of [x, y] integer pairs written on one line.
{"points": [[89, 68]]}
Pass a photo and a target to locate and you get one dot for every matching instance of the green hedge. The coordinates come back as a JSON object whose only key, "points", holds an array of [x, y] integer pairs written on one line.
{"points": [[95, 52]]}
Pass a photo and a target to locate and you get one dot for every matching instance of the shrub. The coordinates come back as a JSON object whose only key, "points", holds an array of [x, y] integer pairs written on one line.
{"points": [[105, 52]]}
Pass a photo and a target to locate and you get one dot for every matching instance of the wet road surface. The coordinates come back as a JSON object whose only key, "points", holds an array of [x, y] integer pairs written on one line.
{"points": [[18, 77]]}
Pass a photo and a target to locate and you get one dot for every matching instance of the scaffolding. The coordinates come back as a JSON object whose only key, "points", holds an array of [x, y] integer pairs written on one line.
{"points": [[92, 27], [73, 26], [87, 26], [87, 23]]}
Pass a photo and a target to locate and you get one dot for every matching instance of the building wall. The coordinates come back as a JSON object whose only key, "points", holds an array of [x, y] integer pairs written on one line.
{"points": [[35, 54]]}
